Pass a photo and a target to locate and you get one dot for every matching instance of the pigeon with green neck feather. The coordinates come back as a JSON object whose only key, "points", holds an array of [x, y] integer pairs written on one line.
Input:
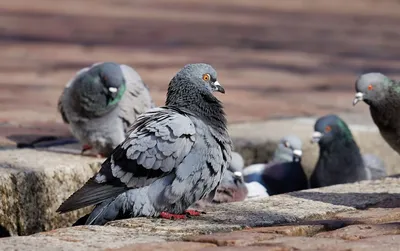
{"points": [[100, 103], [340, 160], [383, 97]]}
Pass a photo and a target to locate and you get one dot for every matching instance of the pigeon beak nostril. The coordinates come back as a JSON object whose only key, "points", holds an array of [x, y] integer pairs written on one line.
{"points": [[218, 87], [113, 89], [297, 152], [238, 174], [316, 136], [358, 97]]}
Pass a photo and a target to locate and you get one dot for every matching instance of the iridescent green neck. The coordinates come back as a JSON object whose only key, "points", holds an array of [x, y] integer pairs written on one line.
{"points": [[120, 93], [392, 84], [345, 129]]}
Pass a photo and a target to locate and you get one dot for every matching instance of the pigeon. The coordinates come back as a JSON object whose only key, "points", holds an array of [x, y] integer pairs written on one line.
{"points": [[101, 102], [232, 187], [172, 157], [383, 97], [340, 160], [284, 173]]}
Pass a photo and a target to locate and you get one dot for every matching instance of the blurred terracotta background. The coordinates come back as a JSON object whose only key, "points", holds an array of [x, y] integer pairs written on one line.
{"points": [[274, 58]]}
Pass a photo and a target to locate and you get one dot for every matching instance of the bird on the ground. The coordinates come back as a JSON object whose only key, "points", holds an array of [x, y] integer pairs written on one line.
{"points": [[340, 160], [382, 94], [101, 102], [284, 173], [172, 157]]}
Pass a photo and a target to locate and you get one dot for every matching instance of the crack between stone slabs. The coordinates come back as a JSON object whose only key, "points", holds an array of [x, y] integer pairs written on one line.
{"points": [[17, 209]]}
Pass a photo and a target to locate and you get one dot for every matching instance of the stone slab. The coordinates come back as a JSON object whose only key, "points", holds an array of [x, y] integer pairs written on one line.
{"points": [[287, 208], [34, 183], [78, 238], [304, 209]]}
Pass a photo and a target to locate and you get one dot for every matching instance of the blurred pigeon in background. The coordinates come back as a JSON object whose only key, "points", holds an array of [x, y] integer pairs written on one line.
{"points": [[172, 157], [383, 97], [284, 173], [340, 160], [101, 102], [232, 187]]}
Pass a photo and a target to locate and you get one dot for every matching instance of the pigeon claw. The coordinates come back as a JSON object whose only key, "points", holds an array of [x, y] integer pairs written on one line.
{"points": [[192, 212], [85, 148], [169, 216]]}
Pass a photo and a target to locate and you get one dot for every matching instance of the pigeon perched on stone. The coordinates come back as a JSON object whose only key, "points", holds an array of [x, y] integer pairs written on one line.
{"points": [[284, 173], [101, 102], [172, 157], [340, 160], [232, 187], [383, 97]]}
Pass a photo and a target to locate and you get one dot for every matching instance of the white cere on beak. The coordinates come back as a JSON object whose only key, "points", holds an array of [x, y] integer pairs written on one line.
{"points": [[238, 174], [113, 89], [316, 136], [297, 152], [358, 97]]}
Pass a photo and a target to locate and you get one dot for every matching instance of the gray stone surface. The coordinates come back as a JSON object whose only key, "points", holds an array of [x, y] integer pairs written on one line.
{"points": [[292, 207], [289, 208], [34, 183], [78, 238], [256, 141]]}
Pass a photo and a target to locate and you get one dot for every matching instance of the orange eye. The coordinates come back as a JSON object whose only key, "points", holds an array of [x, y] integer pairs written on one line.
{"points": [[206, 77], [370, 87], [328, 129], [287, 144]]}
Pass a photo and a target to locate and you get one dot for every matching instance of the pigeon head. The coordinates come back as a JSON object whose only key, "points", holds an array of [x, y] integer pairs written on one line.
{"points": [[289, 149], [330, 128], [192, 89], [193, 78], [371, 88], [110, 80]]}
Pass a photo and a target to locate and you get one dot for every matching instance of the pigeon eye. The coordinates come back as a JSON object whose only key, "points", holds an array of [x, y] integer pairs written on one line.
{"points": [[206, 77], [370, 87], [328, 129]]}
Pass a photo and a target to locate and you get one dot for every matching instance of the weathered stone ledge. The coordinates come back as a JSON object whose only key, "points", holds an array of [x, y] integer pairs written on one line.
{"points": [[342, 204], [34, 183]]}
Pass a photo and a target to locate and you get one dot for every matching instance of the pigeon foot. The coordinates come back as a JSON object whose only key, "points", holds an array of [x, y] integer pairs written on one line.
{"points": [[169, 216], [192, 212]]}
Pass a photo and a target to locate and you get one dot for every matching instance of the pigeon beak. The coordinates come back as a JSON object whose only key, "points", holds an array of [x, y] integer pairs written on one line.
{"points": [[316, 136], [218, 87], [113, 92], [297, 152], [237, 174], [358, 97]]}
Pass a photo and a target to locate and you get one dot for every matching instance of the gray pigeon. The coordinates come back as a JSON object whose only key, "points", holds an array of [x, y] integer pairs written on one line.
{"points": [[101, 102], [340, 160], [232, 187], [284, 173], [383, 97], [172, 157]]}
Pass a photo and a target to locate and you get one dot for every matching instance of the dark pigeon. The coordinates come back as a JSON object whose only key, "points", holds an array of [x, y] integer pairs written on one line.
{"points": [[284, 173], [382, 94], [340, 160]]}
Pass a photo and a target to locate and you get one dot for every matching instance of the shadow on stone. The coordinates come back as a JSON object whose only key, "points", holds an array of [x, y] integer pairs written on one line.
{"points": [[357, 200], [4, 232], [40, 141]]}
